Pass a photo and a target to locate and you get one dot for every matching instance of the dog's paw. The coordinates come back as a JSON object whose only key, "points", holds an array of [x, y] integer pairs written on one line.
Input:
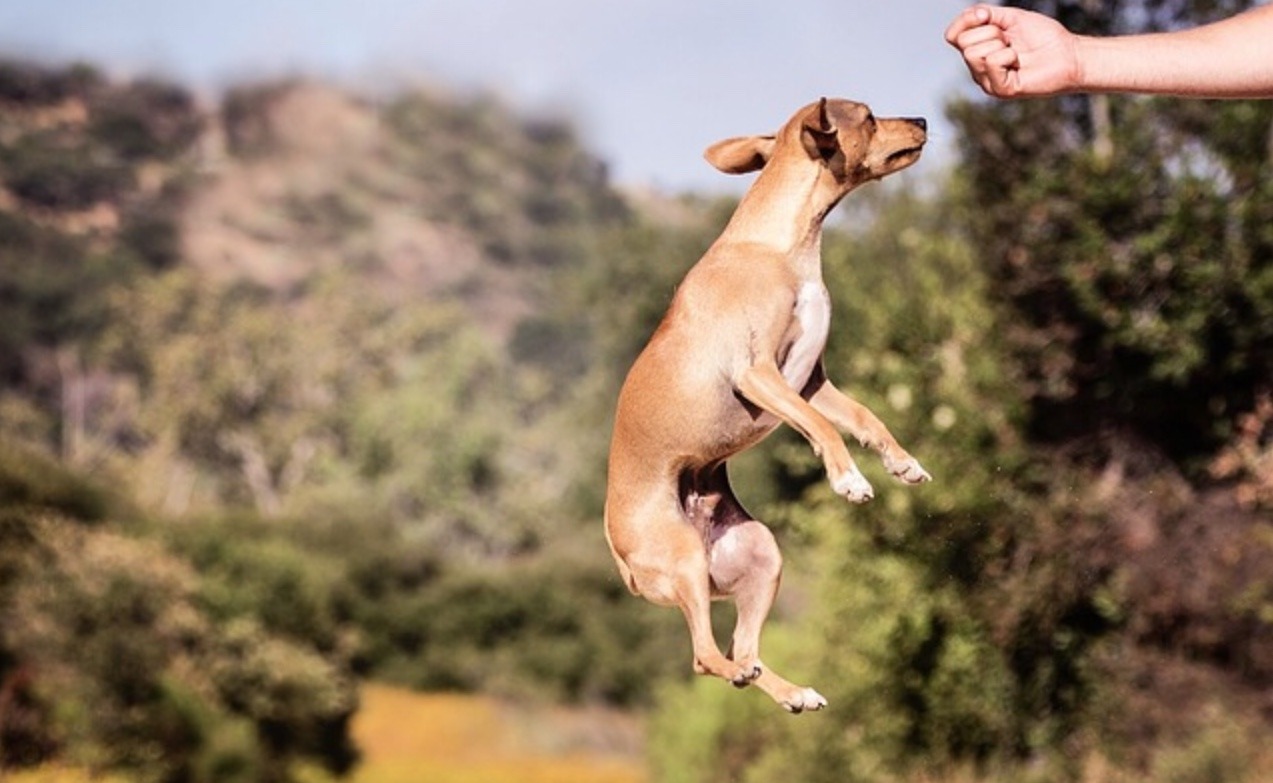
{"points": [[739, 675], [802, 700], [908, 470], [853, 486], [747, 676]]}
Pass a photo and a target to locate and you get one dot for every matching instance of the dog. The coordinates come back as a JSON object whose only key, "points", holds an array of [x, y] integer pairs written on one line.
{"points": [[739, 352]]}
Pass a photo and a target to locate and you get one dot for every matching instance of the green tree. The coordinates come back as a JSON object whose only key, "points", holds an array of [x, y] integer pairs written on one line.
{"points": [[1129, 235], [98, 173]]}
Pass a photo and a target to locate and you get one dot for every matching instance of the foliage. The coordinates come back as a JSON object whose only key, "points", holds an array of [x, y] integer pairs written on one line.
{"points": [[1127, 240], [119, 665], [1130, 237], [525, 187], [46, 171], [95, 174], [556, 627], [50, 284]]}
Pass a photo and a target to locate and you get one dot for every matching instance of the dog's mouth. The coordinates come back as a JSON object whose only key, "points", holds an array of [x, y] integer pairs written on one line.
{"points": [[908, 154]]}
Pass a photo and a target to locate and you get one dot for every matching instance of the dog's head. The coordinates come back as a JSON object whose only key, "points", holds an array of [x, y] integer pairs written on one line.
{"points": [[849, 144]]}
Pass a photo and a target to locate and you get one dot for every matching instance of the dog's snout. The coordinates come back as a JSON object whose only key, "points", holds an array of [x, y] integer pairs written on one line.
{"points": [[918, 122]]}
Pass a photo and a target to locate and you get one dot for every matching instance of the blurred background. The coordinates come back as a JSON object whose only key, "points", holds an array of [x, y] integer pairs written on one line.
{"points": [[311, 324]]}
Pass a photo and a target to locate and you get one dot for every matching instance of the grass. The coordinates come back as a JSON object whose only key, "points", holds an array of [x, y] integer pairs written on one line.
{"points": [[52, 773], [407, 737]]}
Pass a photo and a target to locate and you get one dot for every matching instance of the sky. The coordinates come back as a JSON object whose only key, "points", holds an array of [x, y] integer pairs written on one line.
{"points": [[648, 83]]}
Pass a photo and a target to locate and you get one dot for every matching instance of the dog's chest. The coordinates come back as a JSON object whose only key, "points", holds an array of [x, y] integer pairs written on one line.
{"points": [[813, 319]]}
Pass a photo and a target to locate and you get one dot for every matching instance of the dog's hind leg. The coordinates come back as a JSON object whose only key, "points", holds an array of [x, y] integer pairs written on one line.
{"points": [[695, 601], [746, 565], [667, 565]]}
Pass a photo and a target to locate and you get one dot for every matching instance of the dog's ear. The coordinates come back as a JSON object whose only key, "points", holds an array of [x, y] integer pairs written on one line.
{"points": [[817, 132], [740, 155]]}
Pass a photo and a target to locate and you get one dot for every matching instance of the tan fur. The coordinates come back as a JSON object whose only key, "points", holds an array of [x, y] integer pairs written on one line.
{"points": [[739, 352]]}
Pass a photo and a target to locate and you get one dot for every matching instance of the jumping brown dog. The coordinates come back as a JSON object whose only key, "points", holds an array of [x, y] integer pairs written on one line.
{"points": [[740, 351]]}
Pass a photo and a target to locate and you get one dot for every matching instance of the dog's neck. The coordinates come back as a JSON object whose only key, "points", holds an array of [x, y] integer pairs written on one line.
{"points": [[782, 210]]}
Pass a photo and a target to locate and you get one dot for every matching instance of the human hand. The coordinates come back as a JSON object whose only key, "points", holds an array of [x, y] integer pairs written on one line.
{"points": [[1013, 53]]}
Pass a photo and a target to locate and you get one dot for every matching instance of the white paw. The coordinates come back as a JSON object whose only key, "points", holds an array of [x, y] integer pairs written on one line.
{"points": [[853, 486], [804, 699], [909, 470]]}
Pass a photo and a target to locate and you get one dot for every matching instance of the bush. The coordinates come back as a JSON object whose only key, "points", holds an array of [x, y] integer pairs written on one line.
{"points": [[31, 483], [545, 627], [114, 661], [146, 119], [47, 170], [27, 84]]}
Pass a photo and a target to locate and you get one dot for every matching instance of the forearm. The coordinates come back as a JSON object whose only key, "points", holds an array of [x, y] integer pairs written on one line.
{"points": [[1229, 59]]}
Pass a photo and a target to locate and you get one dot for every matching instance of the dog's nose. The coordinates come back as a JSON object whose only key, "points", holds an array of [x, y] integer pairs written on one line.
{"points": [[919, 122]]}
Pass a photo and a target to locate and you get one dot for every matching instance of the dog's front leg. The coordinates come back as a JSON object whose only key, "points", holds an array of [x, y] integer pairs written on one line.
{"points": [[856, 419], [764, 386]]}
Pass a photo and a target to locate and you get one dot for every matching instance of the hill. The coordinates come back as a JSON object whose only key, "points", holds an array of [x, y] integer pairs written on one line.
{"points": [[332, 354]]}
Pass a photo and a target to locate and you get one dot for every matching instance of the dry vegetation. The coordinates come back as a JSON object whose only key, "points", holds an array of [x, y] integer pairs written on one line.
{"points": [[408, 737]]}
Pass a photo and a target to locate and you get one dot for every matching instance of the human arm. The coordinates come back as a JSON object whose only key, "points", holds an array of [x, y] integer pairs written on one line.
{"points": [[1015, 53]]}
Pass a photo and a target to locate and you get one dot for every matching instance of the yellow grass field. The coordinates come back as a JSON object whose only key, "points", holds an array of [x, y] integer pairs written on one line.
{"points": [[408, 737]]}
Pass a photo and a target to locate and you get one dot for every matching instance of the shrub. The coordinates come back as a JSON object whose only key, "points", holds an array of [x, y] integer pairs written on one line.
{"points": [[47, 170]]}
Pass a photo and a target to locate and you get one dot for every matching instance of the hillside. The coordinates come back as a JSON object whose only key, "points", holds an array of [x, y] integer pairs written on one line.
{"points": [[323, 349], [428, 196]]}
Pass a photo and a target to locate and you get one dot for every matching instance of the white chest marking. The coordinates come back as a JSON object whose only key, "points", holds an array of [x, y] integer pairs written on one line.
{"points": [[813, 313]]}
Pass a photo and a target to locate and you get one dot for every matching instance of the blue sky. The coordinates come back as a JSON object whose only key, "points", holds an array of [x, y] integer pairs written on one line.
{"points": [[649, 83]]}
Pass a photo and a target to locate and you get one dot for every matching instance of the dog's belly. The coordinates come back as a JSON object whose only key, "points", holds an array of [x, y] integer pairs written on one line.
{"points": [[813, 314], [738, 430]]}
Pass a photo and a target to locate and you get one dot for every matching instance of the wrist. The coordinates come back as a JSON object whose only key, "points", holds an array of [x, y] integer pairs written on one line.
{"points": [[1082, 72], [1119, 64]]}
